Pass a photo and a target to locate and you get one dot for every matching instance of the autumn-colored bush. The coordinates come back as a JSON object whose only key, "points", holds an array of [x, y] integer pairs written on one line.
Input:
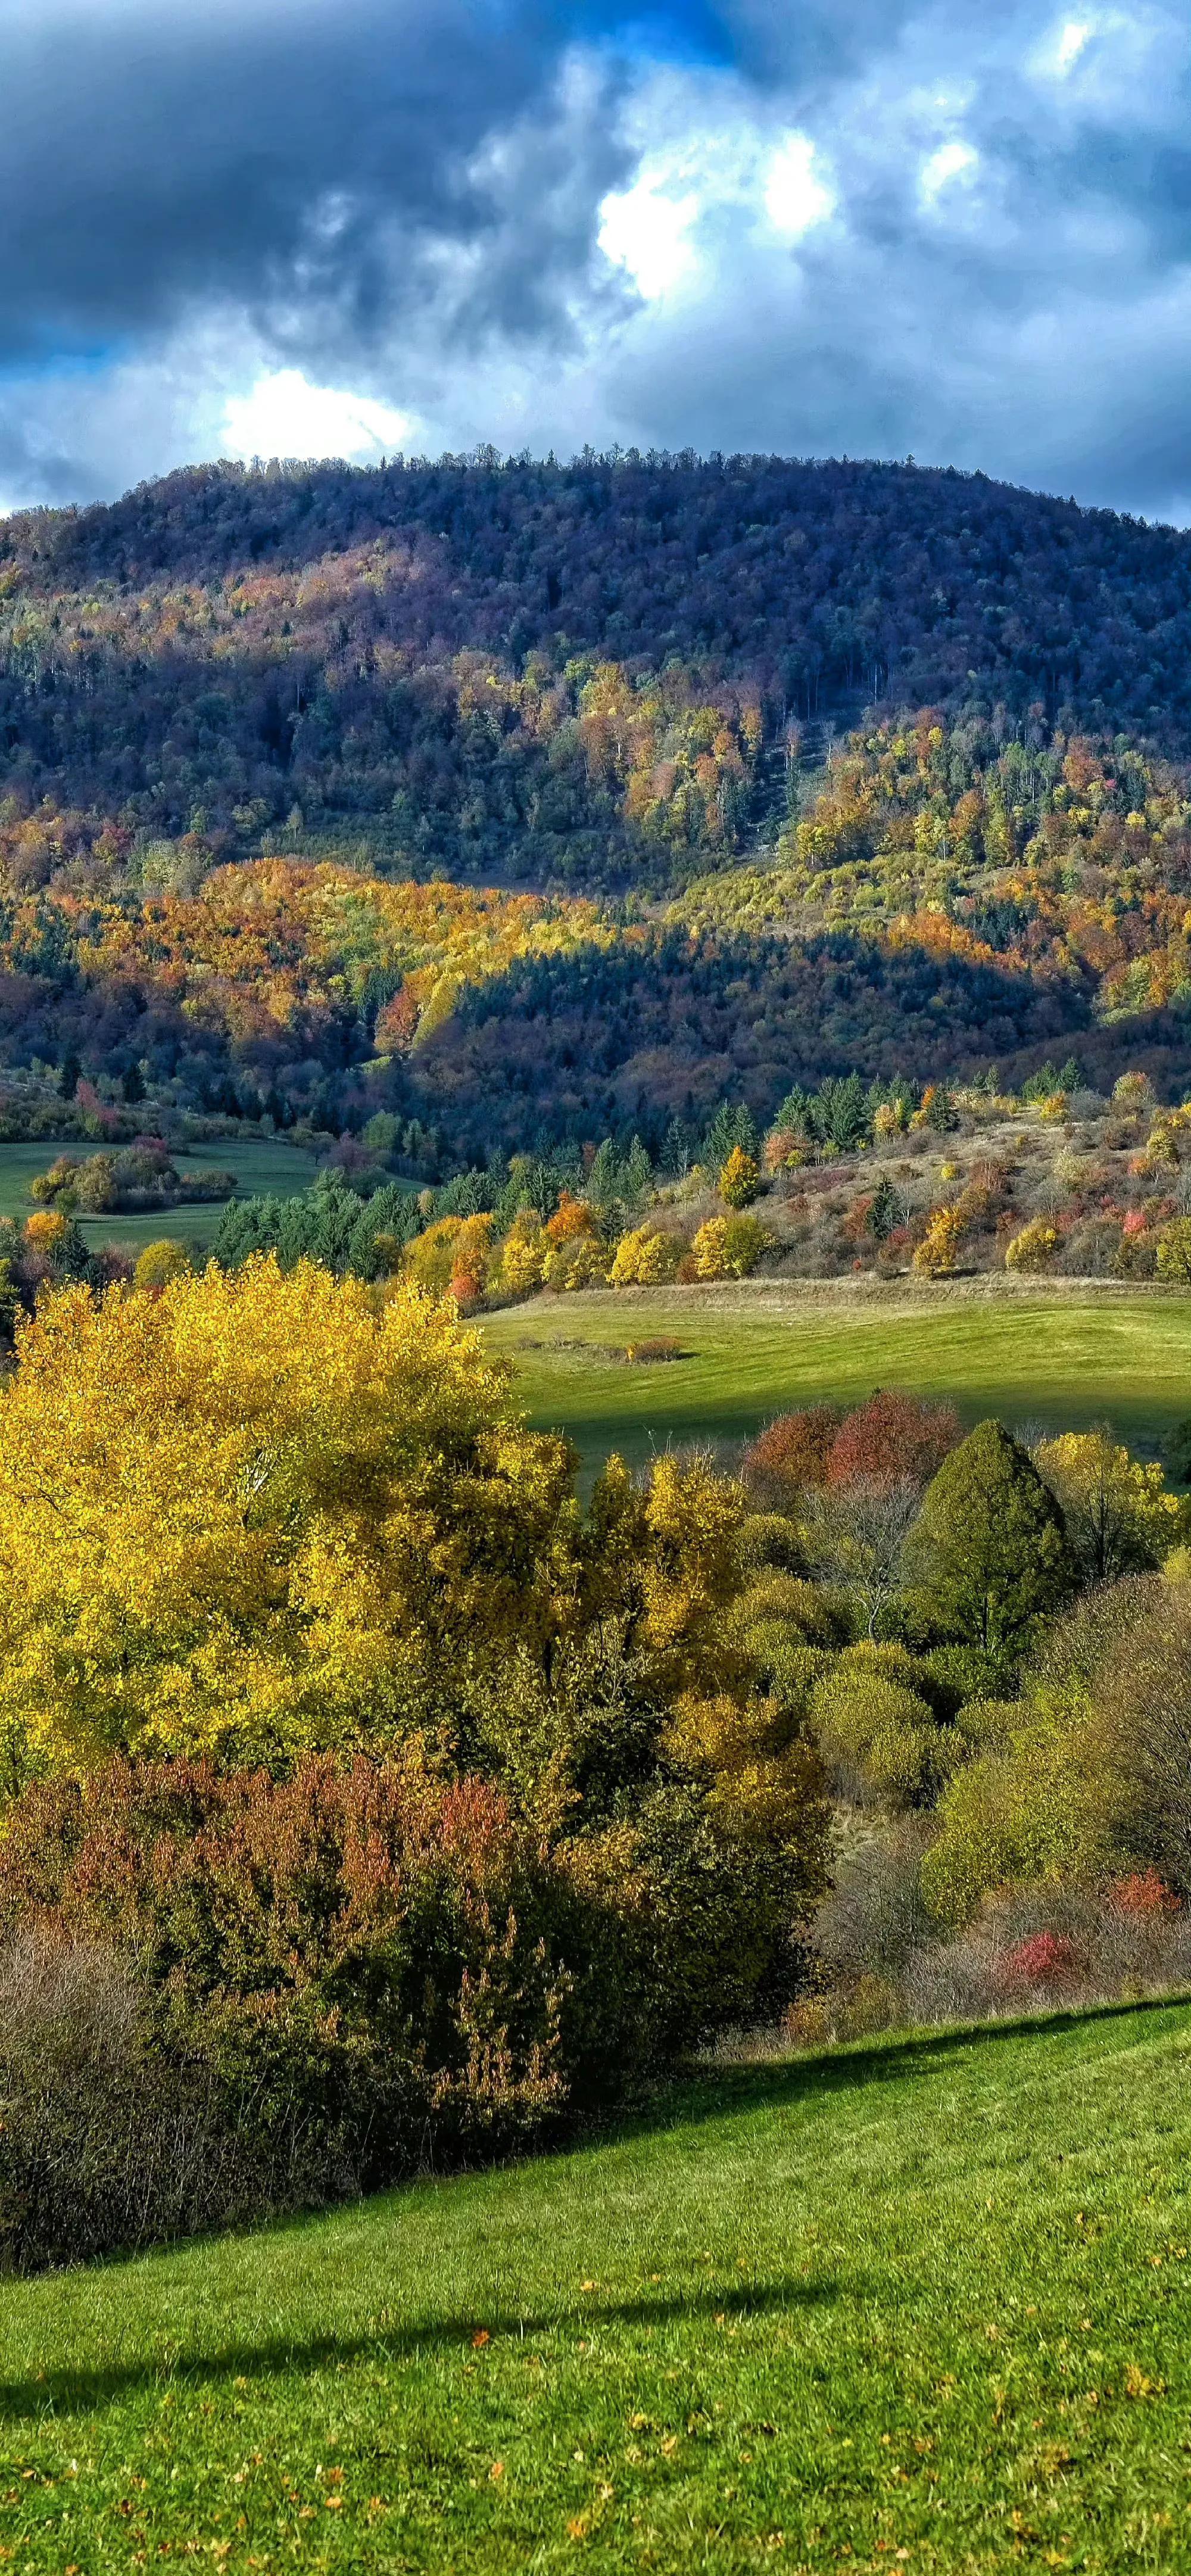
{"points": [[1174, 1250], [1033, 1247], [648, 1257], [430, 1258], [729, 1247], [1142, 1897], [161, 1262], [521, 1267], [891, 1438], [938, 1252], [572, 1219], [793, 1451], [337, 1973], [578, 1261], [223, 1992], [739, 1179], [1048, 1963], [878, 1734]]}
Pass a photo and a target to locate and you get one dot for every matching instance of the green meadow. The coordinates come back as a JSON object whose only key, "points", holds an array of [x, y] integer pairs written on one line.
{"points": [[1055, 1358], [259, 1163], [920, 2304]]}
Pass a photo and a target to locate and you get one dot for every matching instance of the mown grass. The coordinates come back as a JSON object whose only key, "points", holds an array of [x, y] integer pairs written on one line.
{"points": [[925, 2304], [258, 1163], [1061, 1360]]}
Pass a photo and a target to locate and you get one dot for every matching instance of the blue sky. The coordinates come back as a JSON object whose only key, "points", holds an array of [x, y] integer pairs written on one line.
{"points": [[872, 227]]}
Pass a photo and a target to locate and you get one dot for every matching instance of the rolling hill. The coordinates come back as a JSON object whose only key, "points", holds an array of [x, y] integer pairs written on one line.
{"points": [[246, 715]]}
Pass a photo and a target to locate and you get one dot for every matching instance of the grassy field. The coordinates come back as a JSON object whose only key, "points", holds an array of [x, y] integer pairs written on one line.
{"points": [[923, 2304], [258, 1163], [1063, 1359]]}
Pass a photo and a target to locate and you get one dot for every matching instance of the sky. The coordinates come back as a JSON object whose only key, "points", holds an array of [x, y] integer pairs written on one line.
{"points": [[958, 230]]}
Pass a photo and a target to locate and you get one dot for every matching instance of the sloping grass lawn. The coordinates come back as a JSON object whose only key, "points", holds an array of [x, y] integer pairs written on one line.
{"points": [[259, 1163], [923, 2304], [1063, 1361]]}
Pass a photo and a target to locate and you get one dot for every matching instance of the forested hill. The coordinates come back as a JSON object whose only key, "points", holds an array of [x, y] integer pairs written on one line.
{"points": [[584, 673], [772, 772]]}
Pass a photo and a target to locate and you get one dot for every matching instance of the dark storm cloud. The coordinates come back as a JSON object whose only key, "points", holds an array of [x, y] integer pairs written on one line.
{"points": [[154, 158]]}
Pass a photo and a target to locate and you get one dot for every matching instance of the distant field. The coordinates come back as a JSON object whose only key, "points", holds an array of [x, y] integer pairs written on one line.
{"points": [[923, 2304], [1054, 1359], [257, 1164]]}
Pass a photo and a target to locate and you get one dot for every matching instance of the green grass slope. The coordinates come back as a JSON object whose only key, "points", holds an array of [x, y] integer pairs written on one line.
{"points": [[1064, 1359], [924, 2304], [260, 1166]]}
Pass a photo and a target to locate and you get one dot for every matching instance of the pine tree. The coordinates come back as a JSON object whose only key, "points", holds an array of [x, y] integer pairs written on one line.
{"points": [[636, 1176], [988, 1557], [882, 1216]]}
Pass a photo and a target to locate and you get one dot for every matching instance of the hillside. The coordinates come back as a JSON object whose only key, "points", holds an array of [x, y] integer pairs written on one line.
{"points": [[264, 735], [586, 670], [761, 2328]]}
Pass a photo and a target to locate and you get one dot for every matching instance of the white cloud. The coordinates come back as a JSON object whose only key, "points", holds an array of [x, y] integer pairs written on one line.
{"points": [[950, 162], [1070, 42], [647, 232], [796, 197], [285, 415], [719, 161]]}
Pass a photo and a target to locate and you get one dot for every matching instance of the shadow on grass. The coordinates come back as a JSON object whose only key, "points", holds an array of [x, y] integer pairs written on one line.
{"points": [[81, 2391], [890, 2058]]}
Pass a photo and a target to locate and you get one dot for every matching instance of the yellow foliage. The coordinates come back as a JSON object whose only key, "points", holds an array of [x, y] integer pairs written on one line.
{"points": [[785, 1150], [430, 1258], [579, 1261], [729, 1247], [45, 1231], [740, 1179], [936, 1254], [453, 1253], [646, 1258], [1032, 1248], [472, 1254], [1119, 1512], [572, 1218], [160, 1262], [255, 1514], [523, 1255]]}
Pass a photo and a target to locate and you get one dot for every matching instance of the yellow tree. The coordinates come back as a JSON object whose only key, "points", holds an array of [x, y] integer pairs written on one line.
{"points": [[259, 1513], [1120, 1516], [253, 1514], [739, 1179], [938, 1251]]}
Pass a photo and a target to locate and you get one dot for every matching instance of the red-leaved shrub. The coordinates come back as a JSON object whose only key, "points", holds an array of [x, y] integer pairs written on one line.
{"points": [[1143, 1897], [793, 1451], [223, 1993], [893, 1439], [320, 1981], [1048, 1963]]}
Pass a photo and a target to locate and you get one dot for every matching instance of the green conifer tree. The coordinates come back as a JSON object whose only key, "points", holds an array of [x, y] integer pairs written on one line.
{"points": [[988, 1557]]}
